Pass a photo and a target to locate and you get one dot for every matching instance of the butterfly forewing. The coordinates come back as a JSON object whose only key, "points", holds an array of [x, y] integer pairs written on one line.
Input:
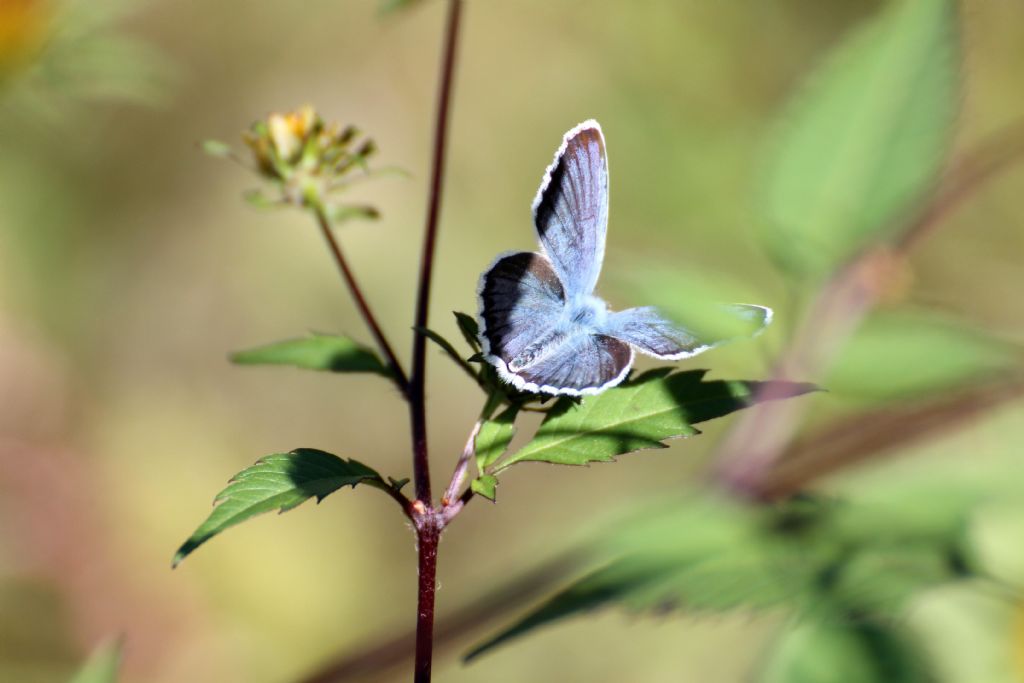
{"points": [[571, 209], [521, 301]]}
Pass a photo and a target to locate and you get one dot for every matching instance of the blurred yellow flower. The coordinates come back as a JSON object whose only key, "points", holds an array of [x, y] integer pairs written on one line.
{"points": [[23, 27], [307, 159]]}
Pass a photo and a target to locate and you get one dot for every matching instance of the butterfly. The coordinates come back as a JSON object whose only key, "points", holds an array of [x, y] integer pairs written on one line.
{"points": [[540, 324]]}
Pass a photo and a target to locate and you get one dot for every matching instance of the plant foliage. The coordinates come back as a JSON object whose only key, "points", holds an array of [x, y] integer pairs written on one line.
{"points": [[639, 414], [316, 352], [867, 138], [278, 482]]}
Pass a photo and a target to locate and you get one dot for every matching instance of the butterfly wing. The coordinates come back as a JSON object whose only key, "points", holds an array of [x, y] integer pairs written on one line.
{"points": [[578, 364], [525, 337], [649, 332], [570, 211], [521, 300]]}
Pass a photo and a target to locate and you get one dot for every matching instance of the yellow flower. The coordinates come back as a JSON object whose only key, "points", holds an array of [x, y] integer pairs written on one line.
{"points": [[308, 161], [23, 27], [289, 132]]}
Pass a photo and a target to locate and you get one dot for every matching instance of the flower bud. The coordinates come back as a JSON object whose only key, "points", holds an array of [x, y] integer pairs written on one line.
{"points": [[309, 161]]}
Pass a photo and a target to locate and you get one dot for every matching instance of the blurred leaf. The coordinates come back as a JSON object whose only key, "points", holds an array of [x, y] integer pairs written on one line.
{"points": [[395, 5], [901, 355], [709, 553], [470, 330], [866, 139], [883, 579], [218, 149], [696, 298], [494, 437], [639, 414], [316, 352], [837, 652], [814, 557], [259, 200], [102, 665], [990, 529], [278, 482], [485, 485], [339, 213], [972, 632]]}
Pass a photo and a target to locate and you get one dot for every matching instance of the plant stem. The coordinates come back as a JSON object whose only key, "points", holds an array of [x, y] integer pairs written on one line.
{"points": [[374, 660], [417, 402], [429, 522], [429, 534], [364, 308], [462, 465]]}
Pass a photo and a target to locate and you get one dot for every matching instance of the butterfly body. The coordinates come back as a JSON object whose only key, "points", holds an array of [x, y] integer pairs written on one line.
{"points": [[541, 325]]}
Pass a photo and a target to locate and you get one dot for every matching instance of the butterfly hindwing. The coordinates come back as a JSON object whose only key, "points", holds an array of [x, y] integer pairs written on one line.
{"points": [[570, 211], [650, 333], [580, 363], [653, 334]]}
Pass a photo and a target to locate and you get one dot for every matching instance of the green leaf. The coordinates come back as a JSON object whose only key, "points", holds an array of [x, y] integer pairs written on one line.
{"points": [[102, 665], [387, 6], [866, 140], [838, 651], [340, 213], [258, 200], [397, 484], [903, 355], [218, 149], [708, 553], [639, 414], [494, 437], [470, 330], [485, 485], [450, 351], [278, 482], [316, 352], [819, 558]]}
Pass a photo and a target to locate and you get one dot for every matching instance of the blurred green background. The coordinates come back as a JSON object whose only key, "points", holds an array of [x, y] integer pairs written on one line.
{"points": [[129, 267]]}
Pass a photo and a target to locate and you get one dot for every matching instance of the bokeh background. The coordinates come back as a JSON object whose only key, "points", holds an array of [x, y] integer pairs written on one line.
{"points": [[129, 267]]}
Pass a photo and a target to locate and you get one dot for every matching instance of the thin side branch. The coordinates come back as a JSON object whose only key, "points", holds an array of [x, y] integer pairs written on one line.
{"points": [[364, 308], [459, 475], [886, 430], [400, 498]]}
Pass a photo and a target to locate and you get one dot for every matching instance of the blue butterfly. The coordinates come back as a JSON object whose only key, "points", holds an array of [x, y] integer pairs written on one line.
{"points": [[541, 326]]}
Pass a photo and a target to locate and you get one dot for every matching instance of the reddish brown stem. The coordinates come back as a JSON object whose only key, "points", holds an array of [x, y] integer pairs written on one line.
{"points": [[429, 522], [429, 534], [421, 468], [364, 308]]}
